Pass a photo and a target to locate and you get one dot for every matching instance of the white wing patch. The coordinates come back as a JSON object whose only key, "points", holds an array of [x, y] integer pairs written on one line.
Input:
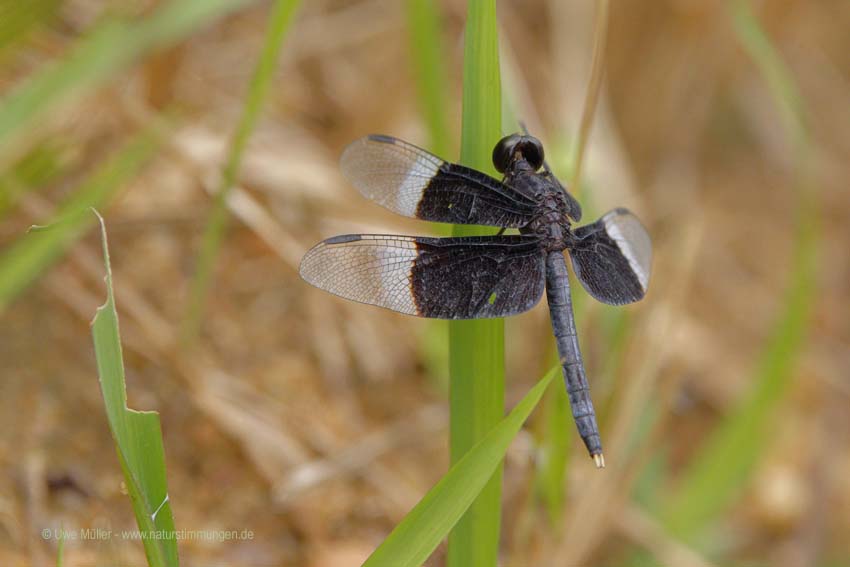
{"points": [[633, 241], [389, 171], [373, 269]]}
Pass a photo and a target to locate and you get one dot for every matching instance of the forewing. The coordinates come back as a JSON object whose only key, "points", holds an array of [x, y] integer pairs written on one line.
{"points": [[442, 278], [414, 183], [612, 258]]}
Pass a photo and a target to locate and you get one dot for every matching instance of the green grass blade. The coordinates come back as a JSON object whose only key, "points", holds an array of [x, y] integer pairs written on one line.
{"points": [[551, 467], [413, 540], [428, 57], [110, 47], [33, 253], [482, 100], [261, 81], [60, 550], [429, 71], [137, 434], [477, 348], [724, 464]]}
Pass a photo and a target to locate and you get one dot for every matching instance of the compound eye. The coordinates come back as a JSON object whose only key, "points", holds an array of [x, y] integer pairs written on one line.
{"points": [[532, 150], [503, 153]]}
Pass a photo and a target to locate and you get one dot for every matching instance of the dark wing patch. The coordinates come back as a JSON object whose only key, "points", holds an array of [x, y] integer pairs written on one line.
{"points": [[442, 278], [612, 258], [414, 183]]}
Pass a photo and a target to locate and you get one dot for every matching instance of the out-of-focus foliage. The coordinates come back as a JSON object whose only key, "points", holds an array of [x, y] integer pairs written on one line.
{"points": [[716, 475], [95, 58], [261, 82], [22, 261], [313, 423]]}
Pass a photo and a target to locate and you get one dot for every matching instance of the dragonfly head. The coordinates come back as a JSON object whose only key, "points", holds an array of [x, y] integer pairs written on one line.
{"points": [[511, 149]]}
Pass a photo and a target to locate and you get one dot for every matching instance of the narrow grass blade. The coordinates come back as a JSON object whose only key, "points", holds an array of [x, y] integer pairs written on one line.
{"points": [[551, 467], [60, 552], [32, 253], [413, 540], [111, 46], [477, 348], [429, 71], [724, 464], [616, 330], [261, 81], [137, 434]]}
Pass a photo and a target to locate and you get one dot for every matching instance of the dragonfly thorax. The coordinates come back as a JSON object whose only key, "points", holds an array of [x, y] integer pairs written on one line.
{"points": [[551, 220]]}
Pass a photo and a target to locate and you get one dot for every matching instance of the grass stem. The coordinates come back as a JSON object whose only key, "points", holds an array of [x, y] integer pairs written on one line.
{"points": [[261, 81], [476, 347]]}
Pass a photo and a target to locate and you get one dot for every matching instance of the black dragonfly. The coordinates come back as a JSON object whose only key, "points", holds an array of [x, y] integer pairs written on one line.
{"points": [[484, 276]]}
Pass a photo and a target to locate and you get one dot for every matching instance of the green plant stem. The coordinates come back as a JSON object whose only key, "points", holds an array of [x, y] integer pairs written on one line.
{"points": [[261, 81], [430, 72], [476, 347], [416, 536], [429, 69]]}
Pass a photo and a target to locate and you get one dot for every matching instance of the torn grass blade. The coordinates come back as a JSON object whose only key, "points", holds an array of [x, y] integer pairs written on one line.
{"points": [[137, 435]]}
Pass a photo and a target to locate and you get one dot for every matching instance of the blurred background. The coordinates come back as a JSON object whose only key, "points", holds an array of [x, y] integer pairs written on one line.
{"points": [[316, 423]]}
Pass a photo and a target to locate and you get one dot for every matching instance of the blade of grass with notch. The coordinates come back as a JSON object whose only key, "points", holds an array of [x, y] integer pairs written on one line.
{"points": [[137, 434]]}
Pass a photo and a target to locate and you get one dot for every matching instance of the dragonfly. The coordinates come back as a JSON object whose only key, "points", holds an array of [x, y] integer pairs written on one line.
{"points": [[477, 277]]}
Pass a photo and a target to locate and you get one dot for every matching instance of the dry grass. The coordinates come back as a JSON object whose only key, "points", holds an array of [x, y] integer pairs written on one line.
{"points": [[312, 421]]}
